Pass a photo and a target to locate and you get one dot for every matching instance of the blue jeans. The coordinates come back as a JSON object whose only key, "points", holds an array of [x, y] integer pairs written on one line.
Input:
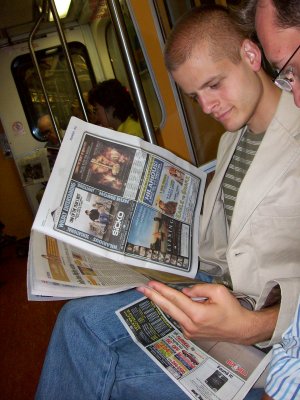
{"points": [[91, 356]]}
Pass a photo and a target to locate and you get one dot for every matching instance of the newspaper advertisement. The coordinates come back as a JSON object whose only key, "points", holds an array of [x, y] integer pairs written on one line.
{"points": [[125, 199], [66, 271], [206, 370]]}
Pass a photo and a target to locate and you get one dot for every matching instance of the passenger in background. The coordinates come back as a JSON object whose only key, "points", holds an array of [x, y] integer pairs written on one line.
{"points": [[77, 111], [114, 107], [47, 131]]}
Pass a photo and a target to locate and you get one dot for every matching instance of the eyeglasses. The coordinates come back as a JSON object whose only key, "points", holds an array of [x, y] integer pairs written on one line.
{"points": [[285, 77], [46, 132]]}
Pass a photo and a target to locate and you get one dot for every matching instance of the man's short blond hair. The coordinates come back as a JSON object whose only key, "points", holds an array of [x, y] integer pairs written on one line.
{"points": [[212, 25]]}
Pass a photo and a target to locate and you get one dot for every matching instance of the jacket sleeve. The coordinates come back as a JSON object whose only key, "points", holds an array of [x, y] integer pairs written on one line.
{"points": [[290, 289]]}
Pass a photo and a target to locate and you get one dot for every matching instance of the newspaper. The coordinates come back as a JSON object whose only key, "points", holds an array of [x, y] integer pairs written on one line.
{"points": [[113, 199], [205, 370]]}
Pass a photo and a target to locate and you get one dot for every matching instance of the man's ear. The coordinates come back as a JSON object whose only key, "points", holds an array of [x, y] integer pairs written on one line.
{"points": [[110, 112], [251, 53]]}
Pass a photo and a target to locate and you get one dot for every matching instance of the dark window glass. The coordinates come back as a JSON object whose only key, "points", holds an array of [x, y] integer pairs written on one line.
{"points": [[57, 81]]}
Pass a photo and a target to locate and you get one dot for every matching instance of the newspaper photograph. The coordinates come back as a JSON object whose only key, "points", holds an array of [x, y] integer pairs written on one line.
{"points": [[98, 218], [158, 238], [106, 165], [204, 370]]}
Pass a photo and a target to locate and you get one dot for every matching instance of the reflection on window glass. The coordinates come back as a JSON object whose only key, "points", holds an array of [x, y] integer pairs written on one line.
{"points": [[58, 84], [119, 69], [176, 9]]}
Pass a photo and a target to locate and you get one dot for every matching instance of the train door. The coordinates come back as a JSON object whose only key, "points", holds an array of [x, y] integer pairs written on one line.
{"points": [[22, 103]]}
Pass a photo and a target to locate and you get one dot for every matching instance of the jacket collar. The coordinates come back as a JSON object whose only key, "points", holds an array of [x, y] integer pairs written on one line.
{"points": [[279, 148]]}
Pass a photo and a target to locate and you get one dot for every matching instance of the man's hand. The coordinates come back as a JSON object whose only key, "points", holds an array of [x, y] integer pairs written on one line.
{"points": [[266, 397], [221, 317]]}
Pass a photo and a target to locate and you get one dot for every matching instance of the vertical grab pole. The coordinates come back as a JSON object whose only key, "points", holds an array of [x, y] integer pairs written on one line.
{"points": [[67, 55], [131, 68], [34, 59]]}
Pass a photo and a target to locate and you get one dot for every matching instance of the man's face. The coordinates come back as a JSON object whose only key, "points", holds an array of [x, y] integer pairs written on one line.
{"points": [[101, 116], [47, 130], [52, 137], [278, 43], [228, 92]]}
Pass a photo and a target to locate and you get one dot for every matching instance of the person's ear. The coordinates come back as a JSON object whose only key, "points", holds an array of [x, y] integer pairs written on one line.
{"points": [[251, 53], [110, 112]]}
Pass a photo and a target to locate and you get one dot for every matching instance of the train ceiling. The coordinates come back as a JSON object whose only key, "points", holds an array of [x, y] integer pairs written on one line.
{"points": [[17, 17], [15, 13]]}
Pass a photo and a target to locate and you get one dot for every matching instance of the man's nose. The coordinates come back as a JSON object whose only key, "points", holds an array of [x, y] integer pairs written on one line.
{"points": [[207, 103]]}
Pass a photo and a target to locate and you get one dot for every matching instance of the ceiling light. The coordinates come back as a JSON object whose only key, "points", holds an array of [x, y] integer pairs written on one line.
{"points": [[62, 7]]}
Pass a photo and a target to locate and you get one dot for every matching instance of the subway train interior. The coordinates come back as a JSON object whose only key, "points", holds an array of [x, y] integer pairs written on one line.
{"points": [[103, 40], [50, 59]]}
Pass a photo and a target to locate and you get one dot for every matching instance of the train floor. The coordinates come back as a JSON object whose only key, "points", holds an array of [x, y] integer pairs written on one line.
{"points": [[25, 327]]}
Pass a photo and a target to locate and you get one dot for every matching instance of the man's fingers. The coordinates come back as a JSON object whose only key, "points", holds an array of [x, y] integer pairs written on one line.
{"points": [[171, 301]]}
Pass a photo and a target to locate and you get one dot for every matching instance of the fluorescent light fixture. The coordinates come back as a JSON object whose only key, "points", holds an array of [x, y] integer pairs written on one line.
{"points": [[62, 7]]}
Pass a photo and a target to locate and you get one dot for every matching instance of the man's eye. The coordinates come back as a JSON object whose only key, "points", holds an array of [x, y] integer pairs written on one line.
{"points": [[194, 98], [214, 85]]}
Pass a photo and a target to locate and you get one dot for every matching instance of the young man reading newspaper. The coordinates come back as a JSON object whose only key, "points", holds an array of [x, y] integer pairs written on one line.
{"points": [[249, 236]]}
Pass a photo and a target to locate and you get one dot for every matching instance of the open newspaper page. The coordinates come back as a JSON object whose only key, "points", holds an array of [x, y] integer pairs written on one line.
{"points": [[119, 197], [204, 370], [66, 272]]}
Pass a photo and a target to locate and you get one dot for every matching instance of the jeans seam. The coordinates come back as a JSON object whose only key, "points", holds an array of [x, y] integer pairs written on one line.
{"points": [[105, 385], [125, 336], [141, 376], [102, 390]]}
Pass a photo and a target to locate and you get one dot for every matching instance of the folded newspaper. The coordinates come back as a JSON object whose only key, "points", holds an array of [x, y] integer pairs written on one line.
{"points": [[205, 370], [114, 205]]}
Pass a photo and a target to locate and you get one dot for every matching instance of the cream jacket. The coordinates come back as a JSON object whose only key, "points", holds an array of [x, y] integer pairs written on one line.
{"points": [[262, 247]]}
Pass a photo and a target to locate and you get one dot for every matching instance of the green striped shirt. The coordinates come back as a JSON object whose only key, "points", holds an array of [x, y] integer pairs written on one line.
{"points": [[238, 167]]}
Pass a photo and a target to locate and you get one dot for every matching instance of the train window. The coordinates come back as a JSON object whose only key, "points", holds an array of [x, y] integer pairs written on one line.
{"points": [[169, 12], [57, 81]]}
